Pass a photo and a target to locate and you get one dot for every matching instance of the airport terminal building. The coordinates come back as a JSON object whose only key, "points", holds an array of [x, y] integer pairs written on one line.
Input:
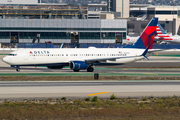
{"points": [[63, 30]]}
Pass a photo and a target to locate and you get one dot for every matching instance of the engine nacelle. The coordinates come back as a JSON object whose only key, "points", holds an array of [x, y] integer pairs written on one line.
{"points": [[78, 65], [55, 67]]}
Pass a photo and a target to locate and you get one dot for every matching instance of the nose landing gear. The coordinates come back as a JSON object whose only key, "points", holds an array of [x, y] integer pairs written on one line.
{"points": [[17, 69]]}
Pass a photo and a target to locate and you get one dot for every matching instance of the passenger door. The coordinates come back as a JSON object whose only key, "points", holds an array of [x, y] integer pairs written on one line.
{"points": [[25, 56]]}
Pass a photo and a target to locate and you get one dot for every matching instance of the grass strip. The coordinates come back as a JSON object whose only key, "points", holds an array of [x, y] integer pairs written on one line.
{"points": [[89, 108]]}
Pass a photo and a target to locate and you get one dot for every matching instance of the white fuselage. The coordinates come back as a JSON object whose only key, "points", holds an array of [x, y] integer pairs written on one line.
{"points": [[175, 39], [66, 55]]}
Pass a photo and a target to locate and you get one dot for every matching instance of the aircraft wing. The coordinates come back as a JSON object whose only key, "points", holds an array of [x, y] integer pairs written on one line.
{"points": [[104, 59], [157, 50]]}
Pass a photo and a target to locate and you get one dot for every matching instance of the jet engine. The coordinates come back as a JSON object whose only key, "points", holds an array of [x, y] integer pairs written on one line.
{"points": [[78, 65]]}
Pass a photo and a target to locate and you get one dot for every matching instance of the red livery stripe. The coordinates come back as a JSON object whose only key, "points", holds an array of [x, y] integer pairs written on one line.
{"points": [[158, 30], [165, 39], [163, 35]]}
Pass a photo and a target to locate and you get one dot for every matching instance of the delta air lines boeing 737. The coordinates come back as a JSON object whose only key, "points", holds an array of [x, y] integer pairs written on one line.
{"points": [[84, 58]]}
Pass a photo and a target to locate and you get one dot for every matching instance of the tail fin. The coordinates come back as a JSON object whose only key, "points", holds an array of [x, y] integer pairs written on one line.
{"points": [[147, 37], [162, 34], [62, 45]]}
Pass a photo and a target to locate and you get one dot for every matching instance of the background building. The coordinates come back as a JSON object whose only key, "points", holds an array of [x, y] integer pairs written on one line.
{"points": [[63, 30], [142, 14], [119, 6], [18, 1], [164, 13], [43, 11]]}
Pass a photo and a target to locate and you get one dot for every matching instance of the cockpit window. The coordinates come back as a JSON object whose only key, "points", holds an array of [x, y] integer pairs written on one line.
{"points": [[12, 54]]}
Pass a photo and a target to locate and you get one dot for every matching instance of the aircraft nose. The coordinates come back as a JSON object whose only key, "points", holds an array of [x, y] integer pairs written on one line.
{"points": [[5, 59]]}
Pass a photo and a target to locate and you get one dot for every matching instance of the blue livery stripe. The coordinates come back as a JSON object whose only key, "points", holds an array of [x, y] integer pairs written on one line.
{"points": [[162, 30]]}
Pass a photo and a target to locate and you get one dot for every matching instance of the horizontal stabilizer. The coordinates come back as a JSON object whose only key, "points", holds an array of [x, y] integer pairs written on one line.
{"points": [[145, 52]]}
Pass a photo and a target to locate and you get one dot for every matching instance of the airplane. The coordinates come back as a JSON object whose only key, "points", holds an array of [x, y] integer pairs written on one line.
{"points": [[162, 37], [165, 38], [84, 58], [131, 39]]}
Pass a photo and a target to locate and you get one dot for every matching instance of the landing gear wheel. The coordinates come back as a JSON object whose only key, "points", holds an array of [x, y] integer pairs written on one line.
{"points": [[90, 69], [18, 70], [76, 70]]}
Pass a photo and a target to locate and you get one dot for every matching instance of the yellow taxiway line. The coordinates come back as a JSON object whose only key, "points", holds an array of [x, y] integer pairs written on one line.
{"points": [[97, 93]]}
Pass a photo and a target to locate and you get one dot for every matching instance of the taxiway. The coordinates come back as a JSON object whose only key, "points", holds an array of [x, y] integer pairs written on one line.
{"points": [[11, 90]]}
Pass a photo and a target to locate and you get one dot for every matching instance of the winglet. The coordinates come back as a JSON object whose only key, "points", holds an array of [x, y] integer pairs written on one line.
{"points": [[62, 45], [145, 52]]}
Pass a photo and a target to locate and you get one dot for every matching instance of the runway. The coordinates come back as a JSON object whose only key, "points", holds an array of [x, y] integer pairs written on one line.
{"points": [[22, 90]]}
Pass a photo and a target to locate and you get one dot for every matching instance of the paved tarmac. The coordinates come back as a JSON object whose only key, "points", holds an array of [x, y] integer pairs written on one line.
{"points": [[102, 72], [22, 90]]}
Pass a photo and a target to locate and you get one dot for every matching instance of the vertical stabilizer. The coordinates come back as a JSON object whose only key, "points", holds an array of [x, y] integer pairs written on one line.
{"points": [[147, 37], [162, 34]]}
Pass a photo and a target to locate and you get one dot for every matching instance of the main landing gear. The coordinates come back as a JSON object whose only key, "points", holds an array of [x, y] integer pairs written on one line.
{"points": [[17, 69], [90, 69]]}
